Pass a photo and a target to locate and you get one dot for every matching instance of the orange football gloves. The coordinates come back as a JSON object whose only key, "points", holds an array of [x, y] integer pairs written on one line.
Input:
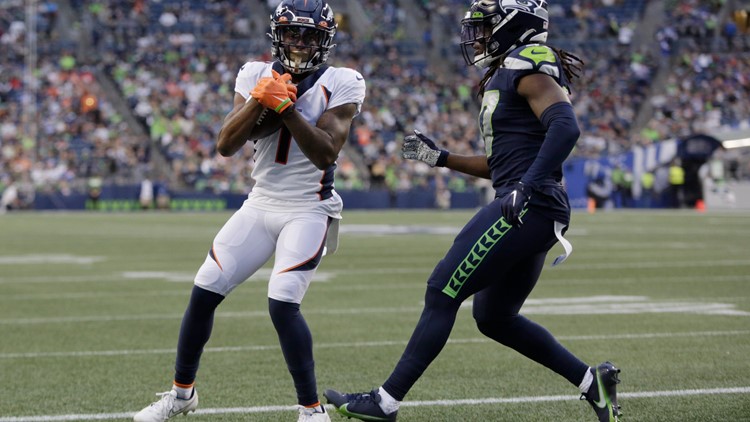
{"points": [[277, 93]]}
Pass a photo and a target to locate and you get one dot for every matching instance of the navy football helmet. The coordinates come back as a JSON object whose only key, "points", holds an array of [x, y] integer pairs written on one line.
{"points": [[500, 26], [302, 32]]}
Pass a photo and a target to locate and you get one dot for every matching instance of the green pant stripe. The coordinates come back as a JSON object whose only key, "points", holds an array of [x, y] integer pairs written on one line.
{"points": [[476, 256]]}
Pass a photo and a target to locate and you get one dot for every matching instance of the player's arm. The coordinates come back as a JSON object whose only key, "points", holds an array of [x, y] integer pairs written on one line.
{"points": [[238, 125], [323, 142], [420, 147], [551, 105], [474, 165]]}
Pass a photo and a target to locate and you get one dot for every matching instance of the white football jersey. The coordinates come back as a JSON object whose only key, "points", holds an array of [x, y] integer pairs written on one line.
{"points": [[284, 176]]}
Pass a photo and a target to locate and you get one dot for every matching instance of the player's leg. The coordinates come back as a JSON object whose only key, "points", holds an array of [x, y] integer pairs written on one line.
{"points": [[481, 254], [240, 248], [298, 252], [468, 266], [496, 308]]}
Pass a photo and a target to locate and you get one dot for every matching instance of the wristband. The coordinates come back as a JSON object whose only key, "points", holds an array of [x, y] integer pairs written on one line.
{"points": [[288, 110], [442, 159]]}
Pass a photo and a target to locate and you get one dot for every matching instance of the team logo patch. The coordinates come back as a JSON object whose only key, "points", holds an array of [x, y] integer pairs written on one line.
{"points": [[534, 7]]}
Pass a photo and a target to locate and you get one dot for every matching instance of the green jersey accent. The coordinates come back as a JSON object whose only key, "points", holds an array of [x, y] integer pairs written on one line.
{"points": [[538, 53], [476, 256]]}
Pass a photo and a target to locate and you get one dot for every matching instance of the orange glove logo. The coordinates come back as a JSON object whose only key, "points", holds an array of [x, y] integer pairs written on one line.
{"points": [[277, 93]]}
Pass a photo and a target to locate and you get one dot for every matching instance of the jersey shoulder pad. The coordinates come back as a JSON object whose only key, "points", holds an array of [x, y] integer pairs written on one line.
{"points": [[536, 58], [347, 85], [347, 75], [253, 69]]}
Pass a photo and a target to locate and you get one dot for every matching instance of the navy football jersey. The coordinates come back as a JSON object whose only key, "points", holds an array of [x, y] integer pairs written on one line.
{"points": [[513, 134]]}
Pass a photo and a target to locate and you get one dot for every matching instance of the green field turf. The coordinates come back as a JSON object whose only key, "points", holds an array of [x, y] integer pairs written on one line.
{"points": [[90, 308]]}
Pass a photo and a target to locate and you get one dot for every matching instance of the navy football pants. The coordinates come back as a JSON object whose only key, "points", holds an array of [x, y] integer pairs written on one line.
{"points": [[499, 265]]}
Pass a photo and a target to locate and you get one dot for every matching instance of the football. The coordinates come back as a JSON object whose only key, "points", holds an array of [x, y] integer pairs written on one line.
{"points": [[269, 123]]}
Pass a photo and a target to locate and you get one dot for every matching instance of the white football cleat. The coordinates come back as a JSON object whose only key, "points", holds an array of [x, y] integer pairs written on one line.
{"points": [[167, 407], [309, 414]]}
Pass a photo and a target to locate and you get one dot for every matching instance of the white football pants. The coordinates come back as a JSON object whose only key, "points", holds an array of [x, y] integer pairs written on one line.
{"points": [[249, 238]]}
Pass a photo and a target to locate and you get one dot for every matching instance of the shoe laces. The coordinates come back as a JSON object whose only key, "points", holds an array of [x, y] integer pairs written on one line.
{"points": [[371, 397], [165, 404], [309, 411]]}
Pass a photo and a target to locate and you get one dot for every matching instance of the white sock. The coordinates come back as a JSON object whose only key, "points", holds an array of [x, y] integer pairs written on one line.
{"points": [[588, 378], [318, 408], [183, 393], [387, 403]]}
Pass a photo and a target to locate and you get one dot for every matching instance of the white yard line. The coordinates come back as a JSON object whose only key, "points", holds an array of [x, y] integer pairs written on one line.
{"points": [[654, 264], [593, 305], [256, 348], [422, 403], [262, 276]]}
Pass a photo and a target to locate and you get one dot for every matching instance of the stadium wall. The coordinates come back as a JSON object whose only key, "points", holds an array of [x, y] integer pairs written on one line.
{"points": [[580, 173], [126, 198]]}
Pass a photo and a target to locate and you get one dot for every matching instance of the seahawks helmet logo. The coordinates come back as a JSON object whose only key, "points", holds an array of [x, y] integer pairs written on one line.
{"points": [[534, 7]]}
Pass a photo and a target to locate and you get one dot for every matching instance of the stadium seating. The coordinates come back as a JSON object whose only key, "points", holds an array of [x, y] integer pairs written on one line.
{"points": [[174, 63]]}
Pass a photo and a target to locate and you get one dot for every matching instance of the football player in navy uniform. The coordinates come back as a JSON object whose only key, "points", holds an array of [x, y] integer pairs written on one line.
{"points": [[298, 111], [529, 128]]}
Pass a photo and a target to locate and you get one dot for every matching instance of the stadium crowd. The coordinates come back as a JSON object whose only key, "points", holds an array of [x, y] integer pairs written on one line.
{"points": [[80, 135], [173, 63]]}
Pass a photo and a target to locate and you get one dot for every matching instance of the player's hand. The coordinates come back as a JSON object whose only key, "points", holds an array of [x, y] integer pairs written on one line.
{"points": [[421, 148], [512, 205], [273, 92], [287, 79]]}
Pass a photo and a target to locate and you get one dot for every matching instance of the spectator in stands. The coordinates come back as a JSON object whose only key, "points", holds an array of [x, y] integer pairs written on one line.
{"points": [[9, 199], [676, 184]]}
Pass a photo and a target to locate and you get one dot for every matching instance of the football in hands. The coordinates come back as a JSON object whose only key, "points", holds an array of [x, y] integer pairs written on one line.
{"points": [[267, 124]]}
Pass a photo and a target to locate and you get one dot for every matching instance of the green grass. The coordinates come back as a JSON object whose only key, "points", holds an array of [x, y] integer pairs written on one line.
{"points": [[90, 308]]}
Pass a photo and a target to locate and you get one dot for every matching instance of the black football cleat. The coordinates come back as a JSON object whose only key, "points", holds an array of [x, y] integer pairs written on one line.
{"points": [[362, 406], [602, 394]]}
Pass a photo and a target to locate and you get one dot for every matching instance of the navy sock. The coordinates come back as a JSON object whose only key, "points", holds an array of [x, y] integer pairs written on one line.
{"points": [[296, 344], [194, 333], [429, 337], [536, 343]]}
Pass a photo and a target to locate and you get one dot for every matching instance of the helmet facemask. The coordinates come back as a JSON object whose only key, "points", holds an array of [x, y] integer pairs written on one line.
{"points": [[475, 31], [302, 39], [301, 48], [501, 26]]}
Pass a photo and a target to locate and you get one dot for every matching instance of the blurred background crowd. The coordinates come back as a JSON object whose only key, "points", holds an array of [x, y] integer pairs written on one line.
{"points": [[103, 92]]}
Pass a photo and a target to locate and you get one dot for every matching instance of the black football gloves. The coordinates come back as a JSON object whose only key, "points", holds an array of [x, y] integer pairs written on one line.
{"points": [[513, 204]]}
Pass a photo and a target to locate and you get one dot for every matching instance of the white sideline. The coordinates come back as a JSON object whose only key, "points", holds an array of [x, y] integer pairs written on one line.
{"points": [[490, 400], [383, 343]]}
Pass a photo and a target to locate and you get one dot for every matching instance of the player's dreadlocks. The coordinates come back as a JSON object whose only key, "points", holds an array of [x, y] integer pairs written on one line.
{"points": [[572, 66]]}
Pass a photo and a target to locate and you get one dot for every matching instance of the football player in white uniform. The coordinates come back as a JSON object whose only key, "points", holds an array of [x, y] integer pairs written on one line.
{"points": [[298, 112]]}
